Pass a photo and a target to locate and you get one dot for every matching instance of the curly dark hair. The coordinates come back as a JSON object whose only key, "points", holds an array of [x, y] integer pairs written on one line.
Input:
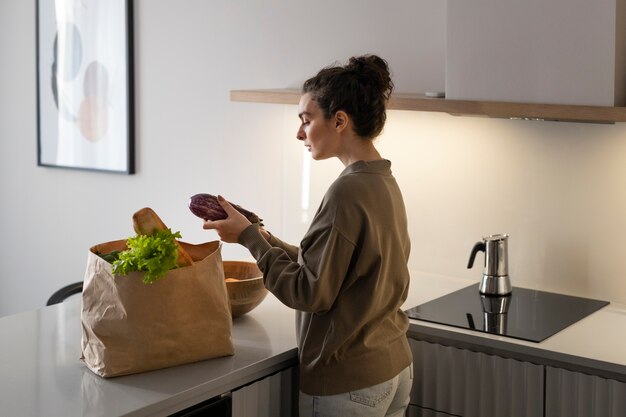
{"points": [[360, 88]]}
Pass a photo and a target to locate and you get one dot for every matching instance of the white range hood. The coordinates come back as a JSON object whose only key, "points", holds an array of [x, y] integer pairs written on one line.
{"points": [[537, 51]]}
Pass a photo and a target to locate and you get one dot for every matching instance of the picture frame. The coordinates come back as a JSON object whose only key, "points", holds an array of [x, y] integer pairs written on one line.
{"points": [[85, 108]]}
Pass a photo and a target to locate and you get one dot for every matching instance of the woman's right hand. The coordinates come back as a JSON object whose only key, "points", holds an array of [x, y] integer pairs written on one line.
{"points": [[231, 227]]}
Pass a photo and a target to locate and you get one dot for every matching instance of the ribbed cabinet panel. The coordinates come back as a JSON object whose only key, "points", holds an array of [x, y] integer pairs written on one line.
{"points": [[270, 397], [573, 394], [473, 384]]}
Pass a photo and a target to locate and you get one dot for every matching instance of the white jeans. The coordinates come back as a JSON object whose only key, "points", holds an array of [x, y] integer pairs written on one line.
{"points": [[388, 399]]}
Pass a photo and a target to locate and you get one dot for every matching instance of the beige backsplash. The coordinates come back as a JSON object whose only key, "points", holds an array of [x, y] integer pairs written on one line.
{"points": [[558, 189]]}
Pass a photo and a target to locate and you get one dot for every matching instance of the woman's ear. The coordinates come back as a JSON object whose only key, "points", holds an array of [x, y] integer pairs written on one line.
{"points": [[341, 120]]}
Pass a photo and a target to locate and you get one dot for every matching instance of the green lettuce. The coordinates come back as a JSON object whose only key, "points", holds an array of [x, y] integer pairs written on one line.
{"points": [[153, 255]]}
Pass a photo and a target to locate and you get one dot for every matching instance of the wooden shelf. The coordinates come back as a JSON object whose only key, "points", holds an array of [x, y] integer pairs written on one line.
{"points": [[500, 109]]}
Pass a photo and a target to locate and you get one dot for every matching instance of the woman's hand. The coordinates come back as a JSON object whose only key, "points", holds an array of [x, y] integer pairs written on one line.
{"points": [[231, 227]]}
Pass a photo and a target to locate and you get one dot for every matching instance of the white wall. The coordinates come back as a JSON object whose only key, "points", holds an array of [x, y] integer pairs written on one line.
{"points": [[557, 188], [190, 137]]}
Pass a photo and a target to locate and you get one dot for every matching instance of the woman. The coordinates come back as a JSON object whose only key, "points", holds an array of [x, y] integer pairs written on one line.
{"points": [[349, 276]]}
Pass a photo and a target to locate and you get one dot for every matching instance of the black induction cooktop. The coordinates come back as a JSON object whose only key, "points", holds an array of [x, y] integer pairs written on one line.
{"points": [[524, 314]]}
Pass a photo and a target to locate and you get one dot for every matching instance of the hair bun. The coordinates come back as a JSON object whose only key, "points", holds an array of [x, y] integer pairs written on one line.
{"points": [[364, 61], [356, 63], [375, 69]]}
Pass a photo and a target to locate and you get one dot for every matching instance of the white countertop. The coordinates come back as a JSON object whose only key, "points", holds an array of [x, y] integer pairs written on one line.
{"points": [[42, 374]]}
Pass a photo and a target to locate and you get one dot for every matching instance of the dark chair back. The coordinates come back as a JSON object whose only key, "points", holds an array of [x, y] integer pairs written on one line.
{"points": [[61, 294]]}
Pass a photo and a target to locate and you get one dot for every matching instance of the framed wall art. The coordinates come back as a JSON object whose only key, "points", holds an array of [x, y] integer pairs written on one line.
{"points": [[85, 85]]}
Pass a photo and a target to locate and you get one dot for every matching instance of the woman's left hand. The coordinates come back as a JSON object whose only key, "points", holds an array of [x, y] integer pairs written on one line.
{"points": [[231, 227]]}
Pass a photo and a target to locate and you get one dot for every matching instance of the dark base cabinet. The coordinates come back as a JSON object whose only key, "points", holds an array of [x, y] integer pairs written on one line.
{"points": [[574, 394], [273, 396], [459, 382]]}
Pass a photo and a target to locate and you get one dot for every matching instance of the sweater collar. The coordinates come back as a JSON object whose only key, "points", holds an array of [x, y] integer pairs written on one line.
{"points": [[379, 166]]}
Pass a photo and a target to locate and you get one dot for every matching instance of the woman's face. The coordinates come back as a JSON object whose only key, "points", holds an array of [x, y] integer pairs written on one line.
{"points": [[318, 133]]}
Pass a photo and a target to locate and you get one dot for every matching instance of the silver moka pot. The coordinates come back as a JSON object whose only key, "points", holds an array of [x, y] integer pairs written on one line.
{"points": [[496, 271]]}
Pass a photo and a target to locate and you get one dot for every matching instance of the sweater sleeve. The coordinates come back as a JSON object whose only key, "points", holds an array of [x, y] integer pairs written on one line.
{"points": [[252, 239], [291, 250], [313, 283]]}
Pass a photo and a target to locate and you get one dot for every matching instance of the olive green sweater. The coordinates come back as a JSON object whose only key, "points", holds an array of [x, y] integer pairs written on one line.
{"points": [[347, 281]]}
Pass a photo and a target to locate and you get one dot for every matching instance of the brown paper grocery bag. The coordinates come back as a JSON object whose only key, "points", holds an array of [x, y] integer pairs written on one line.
{"points": [[131, 327]]}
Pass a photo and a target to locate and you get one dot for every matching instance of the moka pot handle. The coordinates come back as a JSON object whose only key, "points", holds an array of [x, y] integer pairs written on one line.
{"points": [[478, 247]]}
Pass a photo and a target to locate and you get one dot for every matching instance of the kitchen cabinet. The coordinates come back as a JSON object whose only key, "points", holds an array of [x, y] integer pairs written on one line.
{"points": [[272, 396], [574, 394], [465, 383], [533, 51], [531, 60]]}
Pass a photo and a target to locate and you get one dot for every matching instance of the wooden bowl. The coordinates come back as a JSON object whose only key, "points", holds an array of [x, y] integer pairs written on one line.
{"points": [[244, 283]]}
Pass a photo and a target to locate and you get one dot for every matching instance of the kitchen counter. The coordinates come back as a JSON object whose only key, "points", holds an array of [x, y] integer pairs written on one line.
{"points": [[595, 345], [42, 375]]}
